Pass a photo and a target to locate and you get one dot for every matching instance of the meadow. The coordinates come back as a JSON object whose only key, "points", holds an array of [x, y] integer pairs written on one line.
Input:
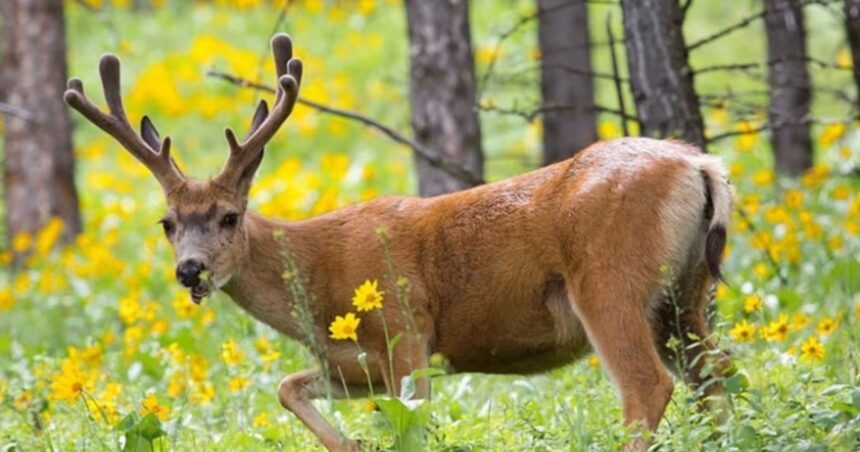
{"points": [[101, 349]]}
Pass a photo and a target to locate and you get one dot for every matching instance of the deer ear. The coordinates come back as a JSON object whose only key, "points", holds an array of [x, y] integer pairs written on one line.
{"points": [[149, 134], [247, 176]]}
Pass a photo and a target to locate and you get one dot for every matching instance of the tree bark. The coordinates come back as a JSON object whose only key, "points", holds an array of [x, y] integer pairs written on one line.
{"points": [[790, 92], [38, 164], [442, 91], [852, 29], [565, 45], [660, 75]]}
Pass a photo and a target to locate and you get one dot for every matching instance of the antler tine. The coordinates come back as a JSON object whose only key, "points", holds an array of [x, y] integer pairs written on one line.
{"points": [[289, 72], [116, 123]]}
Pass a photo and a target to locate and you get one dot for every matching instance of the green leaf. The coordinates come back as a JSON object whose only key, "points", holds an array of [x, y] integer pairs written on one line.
{"points": [[128, 422], [150, 427], [736, 383], [408, 420]]}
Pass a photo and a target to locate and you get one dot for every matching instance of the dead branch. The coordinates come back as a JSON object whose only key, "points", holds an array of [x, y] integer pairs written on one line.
{"points": [[420, 150], [615, 74], [531, 115], [746, 21], [768, 126], [11, 110]]}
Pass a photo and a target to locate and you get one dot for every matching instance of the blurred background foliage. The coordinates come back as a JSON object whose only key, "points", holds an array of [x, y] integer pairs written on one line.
{"points": [[96, 330]]}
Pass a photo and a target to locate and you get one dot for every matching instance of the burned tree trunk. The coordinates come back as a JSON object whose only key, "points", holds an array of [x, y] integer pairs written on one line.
{"points": [[852, 29], [565, 80], [38, 164], [661, 78], [790, 93], [442, 92]]}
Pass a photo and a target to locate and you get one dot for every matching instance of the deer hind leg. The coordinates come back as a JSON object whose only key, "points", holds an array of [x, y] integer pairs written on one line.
{"points": [[295, 394], [615, 321], [682, 316]]}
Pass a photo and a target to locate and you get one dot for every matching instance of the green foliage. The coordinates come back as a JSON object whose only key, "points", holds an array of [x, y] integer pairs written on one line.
{"points": [[98, 334]]}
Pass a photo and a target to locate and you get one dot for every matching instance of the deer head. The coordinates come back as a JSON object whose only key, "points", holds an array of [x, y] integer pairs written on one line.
{"points": [[204, 221]]}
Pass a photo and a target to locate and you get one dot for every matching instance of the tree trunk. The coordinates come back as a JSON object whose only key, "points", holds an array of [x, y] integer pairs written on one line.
{"points": [[661, 78], [442, 91], [790, 93], [852, 28], [38, 164], [565, 65]]}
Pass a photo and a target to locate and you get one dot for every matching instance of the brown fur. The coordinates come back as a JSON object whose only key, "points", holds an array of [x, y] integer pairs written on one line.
{"points": [[518, 276]]}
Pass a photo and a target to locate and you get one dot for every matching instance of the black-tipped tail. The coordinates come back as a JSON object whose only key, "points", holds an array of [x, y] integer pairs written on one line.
{"points": [[715, 244]]}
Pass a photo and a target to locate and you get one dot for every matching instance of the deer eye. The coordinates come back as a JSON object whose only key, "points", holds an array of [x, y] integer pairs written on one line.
{"points": [[230, 220], [167, 225]]}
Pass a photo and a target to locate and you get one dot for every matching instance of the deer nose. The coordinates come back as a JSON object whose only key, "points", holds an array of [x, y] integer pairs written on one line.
{"points": [[188, 272]]}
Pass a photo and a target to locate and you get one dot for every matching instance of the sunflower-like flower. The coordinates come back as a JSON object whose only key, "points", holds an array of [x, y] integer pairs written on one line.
{"points": [[344, 327], [367, 296]]}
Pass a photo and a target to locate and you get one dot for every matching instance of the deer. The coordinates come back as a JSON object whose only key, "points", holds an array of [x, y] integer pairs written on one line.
{"points": [[518, 276]]}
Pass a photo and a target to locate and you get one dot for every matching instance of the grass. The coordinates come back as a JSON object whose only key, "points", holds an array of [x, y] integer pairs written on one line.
{"points": [[106, 313]]}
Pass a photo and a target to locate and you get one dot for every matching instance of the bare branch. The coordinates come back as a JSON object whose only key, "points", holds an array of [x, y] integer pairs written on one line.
{"points": [[617, 78], [747, 66], [743, 23], [768, 126], [11, 110], [531, 115], [521, 22], [421, 151]]}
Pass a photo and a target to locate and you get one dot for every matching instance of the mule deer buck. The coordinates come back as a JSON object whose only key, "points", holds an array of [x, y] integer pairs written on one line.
{"points": [[518, 276]]}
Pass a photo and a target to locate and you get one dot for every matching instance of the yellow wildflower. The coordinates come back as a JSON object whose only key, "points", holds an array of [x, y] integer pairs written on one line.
{"points": [[198, 368], [763, 178], [367, 297], [811, 350], [7, 302], [743, 331], [593, 362], [607, 130], [835, 243], [22, 401], [841, 193], [794, 198], [231, 354], [344, 327], [92, 355], [263, 345], [150, 404], [176, 385], [203, 393], [22, 241], [71, 381], [261, 420], [762, 270], [748, 137], [47, 237], [105, 409], [752, 303], [831, 134], [826, 326], [799, 321], [183, 308], [777, 329], [238, 383]]}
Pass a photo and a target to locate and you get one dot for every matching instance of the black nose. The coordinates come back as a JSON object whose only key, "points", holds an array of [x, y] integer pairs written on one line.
{"points": [[188, 272]]}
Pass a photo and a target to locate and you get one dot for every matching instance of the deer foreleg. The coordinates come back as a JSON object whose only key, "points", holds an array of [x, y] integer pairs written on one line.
{"points": [[296, 392]]}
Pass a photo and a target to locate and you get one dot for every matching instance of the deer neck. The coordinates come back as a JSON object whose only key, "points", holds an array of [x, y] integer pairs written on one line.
{"points": [[258, 285]]}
